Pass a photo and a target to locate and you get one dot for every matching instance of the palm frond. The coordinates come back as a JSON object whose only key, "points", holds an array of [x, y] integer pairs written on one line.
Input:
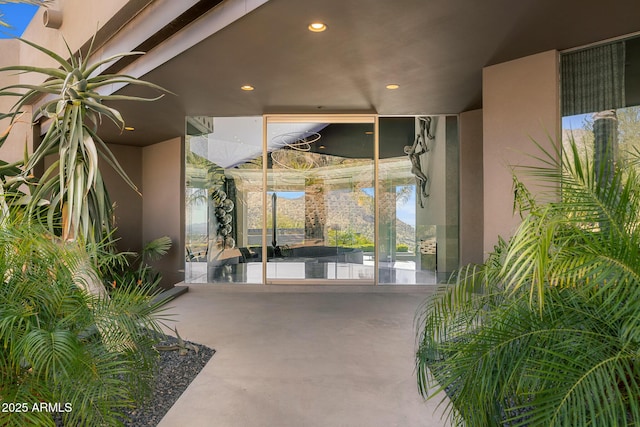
{"points": [[546, 331]]}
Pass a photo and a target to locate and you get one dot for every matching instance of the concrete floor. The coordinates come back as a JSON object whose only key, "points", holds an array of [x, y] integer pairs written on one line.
{"points": [[302, 356]]}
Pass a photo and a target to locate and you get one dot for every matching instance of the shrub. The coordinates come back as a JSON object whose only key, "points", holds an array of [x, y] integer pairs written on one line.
{"points": [[547, 331], [65, 339], [92, 355]]}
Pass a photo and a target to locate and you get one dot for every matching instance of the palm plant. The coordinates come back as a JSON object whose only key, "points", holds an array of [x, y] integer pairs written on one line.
{"points": [[122, 270], [547, 331], [48, 330], [75, 107], [65, 338]]}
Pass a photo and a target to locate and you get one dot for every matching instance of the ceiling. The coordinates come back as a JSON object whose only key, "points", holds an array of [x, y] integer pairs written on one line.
{"points": [[434, 49]]}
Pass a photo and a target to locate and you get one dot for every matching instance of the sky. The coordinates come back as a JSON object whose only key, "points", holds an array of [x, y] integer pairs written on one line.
{"points": [[574, 122], [17, 16]]}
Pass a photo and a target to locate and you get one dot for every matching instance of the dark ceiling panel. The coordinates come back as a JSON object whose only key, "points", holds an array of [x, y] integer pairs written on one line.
{"points": [[434, 50]]}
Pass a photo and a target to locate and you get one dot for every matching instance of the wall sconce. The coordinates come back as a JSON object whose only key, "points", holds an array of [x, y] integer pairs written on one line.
{"points": [[52, 18]]}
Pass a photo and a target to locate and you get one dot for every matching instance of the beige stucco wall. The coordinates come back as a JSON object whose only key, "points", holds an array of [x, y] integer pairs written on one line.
{"points": [[128, 203], [520, 103], [13, 148], [81, 20], [162, 204], [471, 188]]}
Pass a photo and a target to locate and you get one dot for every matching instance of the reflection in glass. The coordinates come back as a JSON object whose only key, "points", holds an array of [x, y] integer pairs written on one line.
{"points": [[320, 204], [223, 163], [418, 199], [320, 199]]}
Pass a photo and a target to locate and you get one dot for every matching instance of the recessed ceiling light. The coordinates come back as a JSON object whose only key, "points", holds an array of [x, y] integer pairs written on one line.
{"points": [[392, 86], [247, 87], [317, 27], [130, 128], [322, 147]]}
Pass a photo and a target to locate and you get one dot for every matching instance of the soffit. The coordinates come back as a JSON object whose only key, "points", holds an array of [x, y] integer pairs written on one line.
{"points": [[434, 50]]}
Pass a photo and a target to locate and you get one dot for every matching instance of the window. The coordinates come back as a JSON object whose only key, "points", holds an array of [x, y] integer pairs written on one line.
{"points": [[601, 101]]}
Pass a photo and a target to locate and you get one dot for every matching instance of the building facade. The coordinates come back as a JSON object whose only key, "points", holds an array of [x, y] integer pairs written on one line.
{"points": [[379, 151]]}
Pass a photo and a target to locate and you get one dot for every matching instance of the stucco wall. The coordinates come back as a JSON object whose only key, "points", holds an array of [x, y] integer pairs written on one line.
{"points": [[81, 20], [13, 148], [471, 188], [128, 203], [162, 204], [520, 103]]}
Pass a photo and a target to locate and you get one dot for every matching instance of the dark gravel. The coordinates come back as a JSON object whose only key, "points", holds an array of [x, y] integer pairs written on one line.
{"points": [[175, 373]]}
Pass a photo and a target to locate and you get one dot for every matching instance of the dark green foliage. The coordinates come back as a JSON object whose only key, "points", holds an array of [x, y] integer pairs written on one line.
{"points": [[547, 331], [64, 340], [60, 344], [123, 270]]}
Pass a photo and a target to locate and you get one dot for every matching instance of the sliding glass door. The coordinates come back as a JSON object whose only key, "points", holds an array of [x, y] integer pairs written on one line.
{"points": [[320, 201], [332, 199]]}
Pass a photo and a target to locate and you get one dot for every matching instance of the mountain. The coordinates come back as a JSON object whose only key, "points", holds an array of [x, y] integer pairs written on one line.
{"points": [[349, 211]]}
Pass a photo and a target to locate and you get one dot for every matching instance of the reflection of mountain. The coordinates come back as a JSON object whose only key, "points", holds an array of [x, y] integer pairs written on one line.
{"points": [[349, 212]]}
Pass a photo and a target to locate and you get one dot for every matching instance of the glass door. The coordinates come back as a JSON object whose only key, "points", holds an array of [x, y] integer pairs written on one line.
{"points": [[320, 204]]}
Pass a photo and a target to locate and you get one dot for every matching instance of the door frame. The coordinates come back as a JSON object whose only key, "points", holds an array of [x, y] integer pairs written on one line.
{"points": [[320, 118]]}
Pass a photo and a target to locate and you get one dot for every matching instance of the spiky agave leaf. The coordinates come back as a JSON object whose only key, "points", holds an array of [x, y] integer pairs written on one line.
{"points": [[75, 107]]}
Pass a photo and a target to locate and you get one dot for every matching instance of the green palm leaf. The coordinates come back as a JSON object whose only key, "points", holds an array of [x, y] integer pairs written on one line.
{"points": [[546, 332]]}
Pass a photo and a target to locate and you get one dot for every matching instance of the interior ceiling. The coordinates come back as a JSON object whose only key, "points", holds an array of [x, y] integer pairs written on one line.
{"points": [[435, 51]]}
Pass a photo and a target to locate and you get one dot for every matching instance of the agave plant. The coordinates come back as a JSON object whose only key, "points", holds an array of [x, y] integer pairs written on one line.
{"points": [[547, 331], [66, 339], [74, 107]]}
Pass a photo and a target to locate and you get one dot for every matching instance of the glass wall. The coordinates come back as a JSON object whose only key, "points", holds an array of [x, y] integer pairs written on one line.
{"points": [[600, 88], [321, 199], [418, 199], [223, 176]]}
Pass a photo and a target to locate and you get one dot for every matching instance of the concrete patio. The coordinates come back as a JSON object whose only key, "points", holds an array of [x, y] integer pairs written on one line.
{"points": [[302, 356]]}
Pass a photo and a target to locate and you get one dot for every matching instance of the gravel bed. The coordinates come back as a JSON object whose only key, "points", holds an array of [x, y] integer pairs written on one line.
{"points": [[175, 373]]}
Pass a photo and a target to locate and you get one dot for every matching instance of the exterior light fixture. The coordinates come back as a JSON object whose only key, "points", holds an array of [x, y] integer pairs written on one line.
{"points": [[317, 27], [247, 88], [392, 86], [129, 128]]}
